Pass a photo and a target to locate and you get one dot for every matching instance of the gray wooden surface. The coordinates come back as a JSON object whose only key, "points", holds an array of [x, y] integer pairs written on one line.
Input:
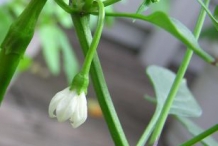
{"points": [[24, 119]]}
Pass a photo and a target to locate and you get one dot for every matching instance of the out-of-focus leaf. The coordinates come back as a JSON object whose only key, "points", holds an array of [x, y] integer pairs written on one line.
{"points": [[195, 130], [49, 9], [71, 65], [24, 64], [17, 6], [93, 21], [210, 33], [62, 16], [184, 103], [49, 35], [162, 5]]}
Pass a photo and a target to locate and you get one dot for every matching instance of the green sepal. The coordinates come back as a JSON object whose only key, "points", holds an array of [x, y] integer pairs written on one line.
{"points": [[80, 83]]}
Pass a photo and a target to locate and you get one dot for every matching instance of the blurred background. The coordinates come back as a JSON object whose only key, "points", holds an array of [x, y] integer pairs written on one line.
{"points": [[126, 49]]}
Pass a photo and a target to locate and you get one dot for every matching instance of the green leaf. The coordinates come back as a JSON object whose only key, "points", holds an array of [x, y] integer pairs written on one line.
{"points": [[210, 33], [163, 5], [195, 130], [71, 65], [184, 103], [50, 43], [24, 64], [173, 26], [17, 6]]}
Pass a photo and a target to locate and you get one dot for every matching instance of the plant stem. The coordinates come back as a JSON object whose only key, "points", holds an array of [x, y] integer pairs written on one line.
{"points": [[201, 136], [65, 7], [81, 24], [170, 98], [177, 81], [93, 47], [143, 139]]}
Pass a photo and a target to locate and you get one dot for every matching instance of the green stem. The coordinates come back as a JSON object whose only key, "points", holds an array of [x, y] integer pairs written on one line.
{"points": [[88, 4], [143, 139], [81, 80], [208, 12], [177, 81], [65, 7], [170, 98], [91, 52], [103, 95], [201, 136]]}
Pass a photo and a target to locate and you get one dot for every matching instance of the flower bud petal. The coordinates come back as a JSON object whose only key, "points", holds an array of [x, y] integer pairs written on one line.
{"points": [[68, 104]]}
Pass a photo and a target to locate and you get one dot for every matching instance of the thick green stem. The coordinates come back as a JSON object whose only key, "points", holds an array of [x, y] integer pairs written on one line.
{"points": [[81, 24], [81, 80], [177, 81], [201, 136]]}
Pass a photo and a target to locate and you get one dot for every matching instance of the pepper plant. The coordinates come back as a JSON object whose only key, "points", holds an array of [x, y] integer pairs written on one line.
{"points": [[172, 94]]}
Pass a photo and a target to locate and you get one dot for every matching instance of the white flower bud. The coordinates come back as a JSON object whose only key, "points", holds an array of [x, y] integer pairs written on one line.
{"points": [[67, 104]]}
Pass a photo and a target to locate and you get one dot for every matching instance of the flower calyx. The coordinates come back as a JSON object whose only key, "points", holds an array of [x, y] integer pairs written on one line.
{"points": [[80, 83]]}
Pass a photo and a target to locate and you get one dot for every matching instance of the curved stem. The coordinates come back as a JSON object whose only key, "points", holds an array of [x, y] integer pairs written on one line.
{"points": [[177, 81], [91, 52]]}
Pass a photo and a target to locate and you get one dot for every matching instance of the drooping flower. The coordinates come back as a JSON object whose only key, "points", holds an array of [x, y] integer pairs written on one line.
{"points": [[67, 104]]}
